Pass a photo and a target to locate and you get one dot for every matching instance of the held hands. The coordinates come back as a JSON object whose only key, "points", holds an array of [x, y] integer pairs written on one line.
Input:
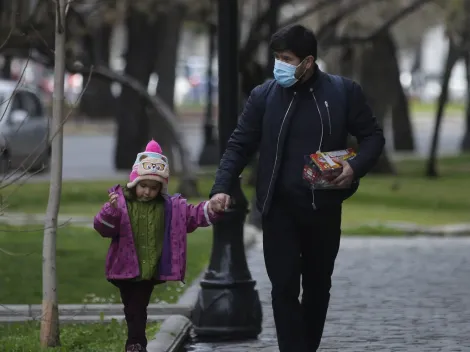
{"points": [[113, 197], [346, 177], [219, 203]]}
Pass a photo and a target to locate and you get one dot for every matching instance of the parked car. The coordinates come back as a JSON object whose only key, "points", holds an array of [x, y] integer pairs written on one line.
{"points": [[24, 129]]}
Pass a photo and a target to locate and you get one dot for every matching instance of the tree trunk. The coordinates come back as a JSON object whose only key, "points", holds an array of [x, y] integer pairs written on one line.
{"points": [[210, 151], [167, 58], [132, 119], [6, 69], [403, 138], [49, 335], [376, 67], [273, 23], [168, 35], [169, 29], [465, 146], [452, 57], [418, 59], [97, 100]]}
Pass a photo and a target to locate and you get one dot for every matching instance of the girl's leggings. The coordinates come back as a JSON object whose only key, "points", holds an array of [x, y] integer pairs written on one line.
{"points": [[135, 296]]}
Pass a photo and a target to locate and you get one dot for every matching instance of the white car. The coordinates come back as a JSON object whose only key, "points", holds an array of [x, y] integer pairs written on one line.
{"points": [[24, 129]]}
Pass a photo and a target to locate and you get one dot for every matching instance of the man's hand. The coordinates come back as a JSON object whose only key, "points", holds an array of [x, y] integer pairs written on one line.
{"points": [[345, 179], [113, 197], [219, 202]]}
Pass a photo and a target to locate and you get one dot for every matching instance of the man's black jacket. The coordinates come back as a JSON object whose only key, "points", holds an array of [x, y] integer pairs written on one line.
{"points": [[264, 125]]}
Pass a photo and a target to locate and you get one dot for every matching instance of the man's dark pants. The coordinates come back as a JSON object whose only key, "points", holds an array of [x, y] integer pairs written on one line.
{"points": [[300, 242]]}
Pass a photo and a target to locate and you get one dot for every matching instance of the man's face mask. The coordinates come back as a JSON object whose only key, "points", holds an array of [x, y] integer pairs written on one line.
{"points": [[286, 74]]}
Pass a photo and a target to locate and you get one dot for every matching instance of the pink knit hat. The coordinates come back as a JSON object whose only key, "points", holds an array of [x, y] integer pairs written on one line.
{"points": [[150, 165]]}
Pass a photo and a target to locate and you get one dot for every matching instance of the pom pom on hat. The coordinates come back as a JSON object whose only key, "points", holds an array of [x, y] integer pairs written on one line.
{"points": [[154, 147]]}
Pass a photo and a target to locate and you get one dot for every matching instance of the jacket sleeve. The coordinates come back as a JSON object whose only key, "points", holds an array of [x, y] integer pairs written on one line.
{"points": [[107, 221], [243, 143], [363, 125], [198, 216]]}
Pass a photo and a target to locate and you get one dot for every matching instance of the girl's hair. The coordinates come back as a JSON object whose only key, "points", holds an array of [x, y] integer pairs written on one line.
{"points": [[129, 193]]}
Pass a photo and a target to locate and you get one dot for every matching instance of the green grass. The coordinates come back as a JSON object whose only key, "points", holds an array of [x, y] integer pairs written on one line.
{"points": [[191, 108], [81, 257], [417, 199], [431, 108], [414, 198], [372, 230], [84, 198], [109, 337]]}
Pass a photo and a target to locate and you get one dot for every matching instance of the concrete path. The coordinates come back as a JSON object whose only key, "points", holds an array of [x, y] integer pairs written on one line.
{"points": [[87, 313], [410, 295]]}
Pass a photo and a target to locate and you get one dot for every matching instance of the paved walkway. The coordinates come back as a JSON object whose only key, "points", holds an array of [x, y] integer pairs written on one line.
{"points": [[389, 295]]}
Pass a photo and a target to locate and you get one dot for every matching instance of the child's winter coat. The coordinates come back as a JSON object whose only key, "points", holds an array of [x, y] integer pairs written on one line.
{"points": [[181, 218]]}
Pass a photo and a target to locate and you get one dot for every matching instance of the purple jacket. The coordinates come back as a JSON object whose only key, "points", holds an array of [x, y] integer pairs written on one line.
{"points": [[181, 218]]}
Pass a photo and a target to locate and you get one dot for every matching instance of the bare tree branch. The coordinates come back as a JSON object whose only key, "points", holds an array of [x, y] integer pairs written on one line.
{"points": [[348, 40], [329, 27], [309, 11], [257, 35]]}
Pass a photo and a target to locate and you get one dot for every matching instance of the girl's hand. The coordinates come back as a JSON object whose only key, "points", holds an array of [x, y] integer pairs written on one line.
{"points": [[113, 197], [210, 209], [220, 202]]}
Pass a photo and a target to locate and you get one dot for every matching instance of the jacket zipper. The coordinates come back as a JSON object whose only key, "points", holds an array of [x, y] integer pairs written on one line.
{"points": [[321, 142], [321, 119], [329, 116], [277, 151]]}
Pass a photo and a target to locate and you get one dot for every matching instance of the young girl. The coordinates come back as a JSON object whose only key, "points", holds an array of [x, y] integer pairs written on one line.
{"points": [[148, 231]]}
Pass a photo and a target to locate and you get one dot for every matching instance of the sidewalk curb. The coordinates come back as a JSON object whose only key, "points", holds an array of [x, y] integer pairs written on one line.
{"points": [[79, 319], [176, 328], [412, 229], [172, 334], [32, 311]]}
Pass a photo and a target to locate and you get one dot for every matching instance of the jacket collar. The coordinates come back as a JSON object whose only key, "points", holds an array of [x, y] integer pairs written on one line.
{"points": [[313, 82]]}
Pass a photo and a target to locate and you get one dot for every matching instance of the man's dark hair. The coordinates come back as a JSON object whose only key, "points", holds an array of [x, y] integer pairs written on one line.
{"points": [[296, 38]]}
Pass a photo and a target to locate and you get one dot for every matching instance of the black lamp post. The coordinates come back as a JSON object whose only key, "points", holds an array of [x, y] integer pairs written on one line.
{"points": [[228, 305], [209, 154]]}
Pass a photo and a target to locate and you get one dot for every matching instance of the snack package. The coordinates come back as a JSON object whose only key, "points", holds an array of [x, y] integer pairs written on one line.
{"points": [[320, 168]]}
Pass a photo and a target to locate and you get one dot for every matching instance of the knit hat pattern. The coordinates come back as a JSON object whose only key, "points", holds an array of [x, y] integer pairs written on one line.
{"points": [[150, 165]]}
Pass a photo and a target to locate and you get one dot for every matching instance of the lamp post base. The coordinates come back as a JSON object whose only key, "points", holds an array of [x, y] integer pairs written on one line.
{"points": [[228, 313], [228, 306]]}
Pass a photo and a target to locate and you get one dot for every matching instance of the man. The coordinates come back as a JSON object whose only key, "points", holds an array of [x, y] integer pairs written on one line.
{"points": [[300, 112]]}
